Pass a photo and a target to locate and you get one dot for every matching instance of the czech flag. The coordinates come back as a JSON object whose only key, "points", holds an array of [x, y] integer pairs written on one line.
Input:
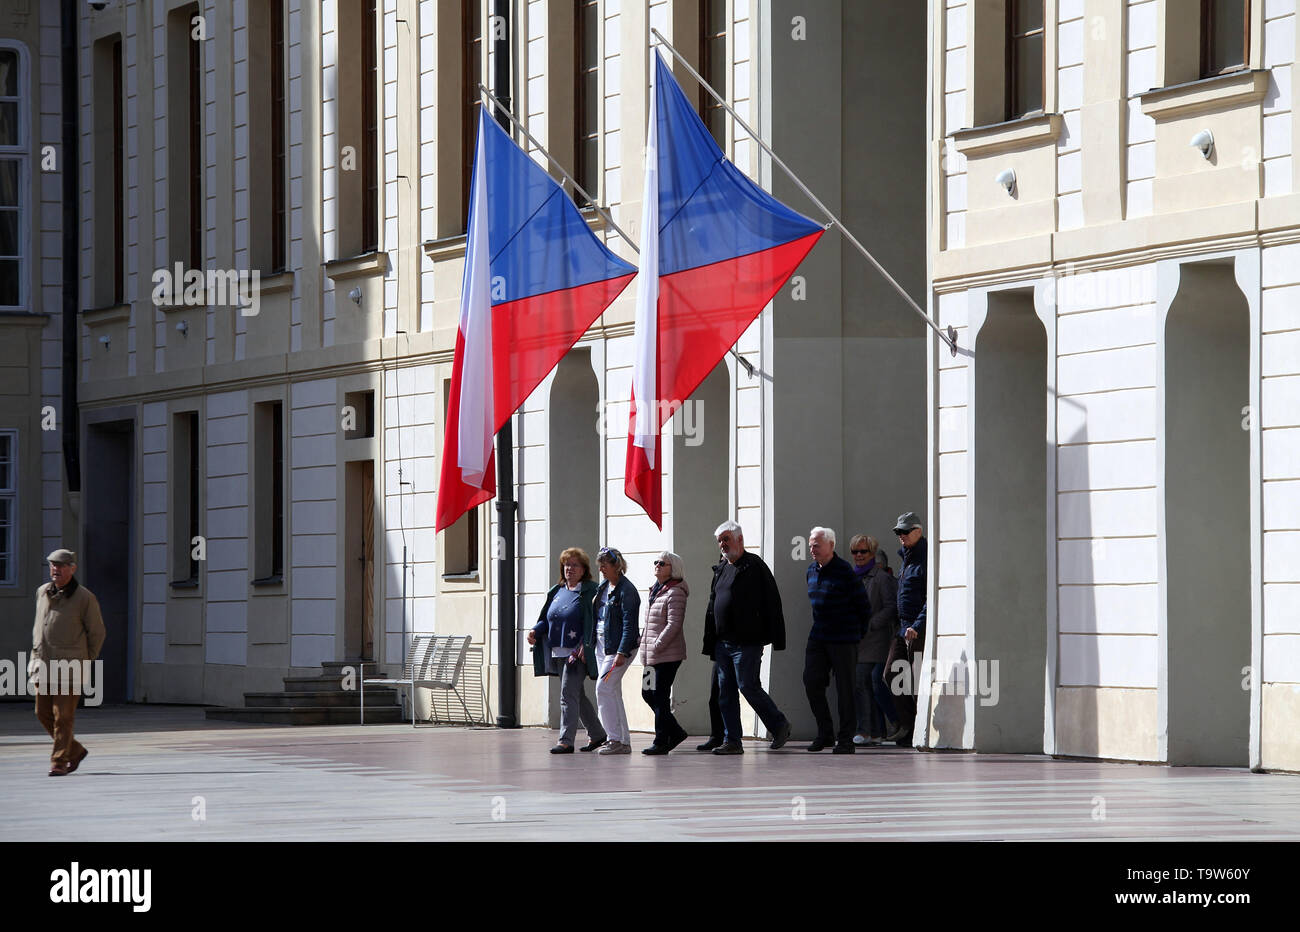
{"points": [[725, 246], [536, 278]]}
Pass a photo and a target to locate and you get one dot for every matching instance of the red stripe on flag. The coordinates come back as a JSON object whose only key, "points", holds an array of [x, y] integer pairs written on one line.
{"points": [[641, 483], [454, 496], [530, 337], [703, 312]]}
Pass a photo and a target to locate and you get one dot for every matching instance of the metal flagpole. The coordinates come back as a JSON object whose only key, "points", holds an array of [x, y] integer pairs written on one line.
{"points": [[950, 337], [573, 181]]}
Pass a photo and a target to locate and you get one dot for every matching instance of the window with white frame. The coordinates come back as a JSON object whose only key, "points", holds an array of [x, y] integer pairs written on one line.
{"points": [[13, 174], [8, 506]]}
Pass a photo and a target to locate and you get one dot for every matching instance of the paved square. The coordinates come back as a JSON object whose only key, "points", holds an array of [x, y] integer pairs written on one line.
{"points": [[166, 773]]}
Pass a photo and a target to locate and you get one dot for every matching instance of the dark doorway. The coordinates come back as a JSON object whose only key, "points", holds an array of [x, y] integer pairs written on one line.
{"points": [[1010, 529], [106, 558], [1207, 518], [359, 561]]}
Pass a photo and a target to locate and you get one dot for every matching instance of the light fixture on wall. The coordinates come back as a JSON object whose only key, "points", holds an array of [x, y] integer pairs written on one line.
{"points": [[106, 339], [1007, 178], [1204, 141], [355, 295], [183, 328]]}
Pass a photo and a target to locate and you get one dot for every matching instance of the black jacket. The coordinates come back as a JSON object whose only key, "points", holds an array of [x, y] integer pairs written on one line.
{"points": [[911, 588], [756, 616]]}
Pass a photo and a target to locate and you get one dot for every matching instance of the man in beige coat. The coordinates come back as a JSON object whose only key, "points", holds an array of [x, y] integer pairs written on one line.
{"points": [[68, 628]]}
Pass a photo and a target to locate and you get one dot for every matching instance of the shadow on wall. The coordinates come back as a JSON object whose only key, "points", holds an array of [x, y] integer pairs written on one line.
{"points": [[573, 479], [948, 720]]}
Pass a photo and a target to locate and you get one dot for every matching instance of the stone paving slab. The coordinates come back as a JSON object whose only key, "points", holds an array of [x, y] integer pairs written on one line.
{"points": [[165, 773]]}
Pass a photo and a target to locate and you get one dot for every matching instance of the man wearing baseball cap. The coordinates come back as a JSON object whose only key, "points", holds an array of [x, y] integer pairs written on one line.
{"points": [[909, 639], [68, 627]]}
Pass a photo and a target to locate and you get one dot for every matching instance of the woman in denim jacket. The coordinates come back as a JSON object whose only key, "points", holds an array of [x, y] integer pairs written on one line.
{"points": [[564, 645], [616, 607]]}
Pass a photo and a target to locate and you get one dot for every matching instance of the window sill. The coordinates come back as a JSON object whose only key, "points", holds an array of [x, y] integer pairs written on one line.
{"points": [[1021, 133], [451, 247], [1217, 93], [368, 264], [100, 316], [184, 584], [460, 577], [275, 283], [16, 316], [267, 582]]}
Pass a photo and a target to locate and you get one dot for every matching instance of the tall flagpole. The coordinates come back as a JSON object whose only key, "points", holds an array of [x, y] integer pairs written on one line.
{"points": [[507, 668], [949, 337]]}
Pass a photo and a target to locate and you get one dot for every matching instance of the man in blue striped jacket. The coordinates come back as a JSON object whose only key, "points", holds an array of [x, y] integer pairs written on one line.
{"points": [[840, 613]]}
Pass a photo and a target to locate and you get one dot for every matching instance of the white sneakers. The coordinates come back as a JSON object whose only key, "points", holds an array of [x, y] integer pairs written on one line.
{"points": [[615, 747]]}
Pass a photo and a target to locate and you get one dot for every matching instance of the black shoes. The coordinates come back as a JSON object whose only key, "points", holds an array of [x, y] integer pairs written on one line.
{"points": [[820, 743], [845, 748], [780, 736], [711, 744], [655, 749], [562, 749], [731, 747], [593, 745]]}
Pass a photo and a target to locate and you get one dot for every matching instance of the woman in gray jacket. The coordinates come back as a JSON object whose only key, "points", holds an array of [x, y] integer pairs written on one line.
{"points": [[663, 648], [877, 717]]}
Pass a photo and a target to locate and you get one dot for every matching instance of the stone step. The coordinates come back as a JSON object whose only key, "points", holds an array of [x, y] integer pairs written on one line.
{"points": [[294, 684], [306, 715], [375, 695], [336, 666]]}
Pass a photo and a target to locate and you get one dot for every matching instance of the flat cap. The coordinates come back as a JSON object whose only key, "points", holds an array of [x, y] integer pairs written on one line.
{"points": [[907, 521], [62, 556]]}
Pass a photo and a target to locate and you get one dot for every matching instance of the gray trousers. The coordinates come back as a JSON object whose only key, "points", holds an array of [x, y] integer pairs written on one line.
{"points": [[574, 704]]}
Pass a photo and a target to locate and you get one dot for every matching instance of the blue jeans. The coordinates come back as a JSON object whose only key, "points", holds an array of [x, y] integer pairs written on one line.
{"points": [[738, 668], [869, 716]]}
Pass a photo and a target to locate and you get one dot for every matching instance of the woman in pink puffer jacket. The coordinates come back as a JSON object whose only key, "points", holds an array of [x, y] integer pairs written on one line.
{"points": [[663, 648]]}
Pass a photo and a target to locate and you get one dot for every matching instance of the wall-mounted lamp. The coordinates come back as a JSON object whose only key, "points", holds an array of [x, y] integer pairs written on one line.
{"points": [[1204, 141], [1007, 178], [106, 339], [183, 328], [355, 295]]}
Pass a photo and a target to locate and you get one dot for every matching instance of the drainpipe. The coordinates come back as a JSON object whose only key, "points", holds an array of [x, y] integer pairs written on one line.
{"points": [[507, 670], [71, 253]]}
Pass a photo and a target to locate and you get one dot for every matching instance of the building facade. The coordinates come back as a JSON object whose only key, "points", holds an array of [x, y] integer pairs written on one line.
{"points": [[1114, 448], [272, 237]]}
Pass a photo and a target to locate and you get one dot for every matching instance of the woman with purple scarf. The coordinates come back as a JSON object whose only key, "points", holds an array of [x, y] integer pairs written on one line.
{"points": [[877, 717]]}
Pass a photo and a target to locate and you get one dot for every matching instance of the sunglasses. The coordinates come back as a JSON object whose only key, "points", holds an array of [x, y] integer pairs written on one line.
{"points": [[661, 563], [608, 554], [904, 533], [863, 552]]}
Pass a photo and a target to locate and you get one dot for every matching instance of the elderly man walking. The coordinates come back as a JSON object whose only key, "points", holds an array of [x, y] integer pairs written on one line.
{"points": [[909, 640], [744, 616], [68, 627], [840, 613]]}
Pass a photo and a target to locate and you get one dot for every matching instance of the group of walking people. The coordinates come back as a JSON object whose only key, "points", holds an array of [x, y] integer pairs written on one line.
{"points": [[864, 620]]}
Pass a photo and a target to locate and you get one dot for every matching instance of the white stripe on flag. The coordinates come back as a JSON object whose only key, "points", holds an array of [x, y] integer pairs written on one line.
{"points": [[645, 364], [474, 419]]}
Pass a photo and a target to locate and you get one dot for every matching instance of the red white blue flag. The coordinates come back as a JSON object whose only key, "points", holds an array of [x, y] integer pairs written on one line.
{"points": [[724, 248], [536, 278]]}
